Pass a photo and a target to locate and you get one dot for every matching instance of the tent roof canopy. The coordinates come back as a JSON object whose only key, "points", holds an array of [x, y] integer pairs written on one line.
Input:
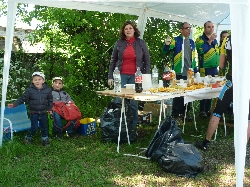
{"points": [[193, 12]]}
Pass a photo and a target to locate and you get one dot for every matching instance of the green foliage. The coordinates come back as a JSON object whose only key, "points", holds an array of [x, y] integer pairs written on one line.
{"points": [[78, 47], [21, 67], [155, 35], [86, 161]]}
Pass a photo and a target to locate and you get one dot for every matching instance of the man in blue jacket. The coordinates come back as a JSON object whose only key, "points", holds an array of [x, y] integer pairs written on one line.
{"points": [[208, 55], [183, 58]]}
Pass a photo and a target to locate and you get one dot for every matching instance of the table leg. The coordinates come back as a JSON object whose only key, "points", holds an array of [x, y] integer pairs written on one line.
{"points": [[120, 127], [162, 105], [184, 120], [194, 116]]}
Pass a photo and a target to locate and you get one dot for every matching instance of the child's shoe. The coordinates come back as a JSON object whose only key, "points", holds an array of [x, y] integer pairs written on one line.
{"points": [[27, 141], [72, 135], [46, 142]]}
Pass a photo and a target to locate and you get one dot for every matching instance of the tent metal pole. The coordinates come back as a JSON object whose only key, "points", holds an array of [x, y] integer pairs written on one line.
{"points": [[12, 6], [142, 20]]}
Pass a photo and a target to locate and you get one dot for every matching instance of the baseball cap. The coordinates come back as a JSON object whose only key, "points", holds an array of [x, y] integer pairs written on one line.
{"points": [[57, 78], [38, 74]]}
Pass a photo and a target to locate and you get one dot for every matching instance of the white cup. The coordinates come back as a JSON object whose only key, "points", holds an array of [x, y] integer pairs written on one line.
{"points": [[146, 82], [160, 83], [181, 81]]}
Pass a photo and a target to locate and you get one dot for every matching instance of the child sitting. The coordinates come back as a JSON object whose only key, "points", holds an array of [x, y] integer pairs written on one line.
{"points": [[61, 96], [39, 98]]}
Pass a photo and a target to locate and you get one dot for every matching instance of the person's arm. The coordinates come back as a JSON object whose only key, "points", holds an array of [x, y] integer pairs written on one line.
{"points": [[146, 57], [212, 40], [68, 98], [222, 61], [168, 46], [222, 58], [114, 59], [22, 99], [50, 100]]}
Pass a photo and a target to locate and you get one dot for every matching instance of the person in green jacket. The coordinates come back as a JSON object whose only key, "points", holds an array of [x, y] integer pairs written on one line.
{"points": [[183, 58], [209, 56]]}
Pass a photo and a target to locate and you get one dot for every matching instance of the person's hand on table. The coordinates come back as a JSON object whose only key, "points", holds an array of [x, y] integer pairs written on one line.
{"points": [[110, 82]]}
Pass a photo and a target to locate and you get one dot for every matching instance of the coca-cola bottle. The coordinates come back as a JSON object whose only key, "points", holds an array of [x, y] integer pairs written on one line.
{"points": [[138, 81], [166, 76]]}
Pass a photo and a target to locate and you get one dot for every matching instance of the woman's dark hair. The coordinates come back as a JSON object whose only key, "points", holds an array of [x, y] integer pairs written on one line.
{"points": [[136, 34], [222, 32]]}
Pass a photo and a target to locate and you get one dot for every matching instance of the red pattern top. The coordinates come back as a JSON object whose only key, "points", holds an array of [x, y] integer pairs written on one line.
{"points": [[129, 59]]}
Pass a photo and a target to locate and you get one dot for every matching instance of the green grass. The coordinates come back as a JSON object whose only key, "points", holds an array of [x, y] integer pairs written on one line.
{"points": [[87, 161]]}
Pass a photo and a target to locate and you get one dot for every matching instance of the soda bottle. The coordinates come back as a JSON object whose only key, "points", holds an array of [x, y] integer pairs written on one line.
{"points": [[138, 81], [155, 77], [190, 76], [166, 77], [117, 80]]}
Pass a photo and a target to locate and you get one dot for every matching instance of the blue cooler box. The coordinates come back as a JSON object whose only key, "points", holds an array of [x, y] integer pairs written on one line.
{"points": [[87, 126], [6, 134]]}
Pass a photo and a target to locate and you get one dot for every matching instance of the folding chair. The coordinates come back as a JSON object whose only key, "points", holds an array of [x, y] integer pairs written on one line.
{"points": [[16, 118]]}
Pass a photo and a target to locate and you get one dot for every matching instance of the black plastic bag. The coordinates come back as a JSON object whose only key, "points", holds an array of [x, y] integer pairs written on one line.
{"points": [[167, 132], [181, 159], [110, 123], [172, 154]]}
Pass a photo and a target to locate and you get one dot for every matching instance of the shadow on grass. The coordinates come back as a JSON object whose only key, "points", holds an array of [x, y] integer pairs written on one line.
{"points": [[87, 161]]}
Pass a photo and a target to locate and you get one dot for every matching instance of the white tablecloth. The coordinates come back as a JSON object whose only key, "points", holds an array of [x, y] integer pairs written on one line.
{"points": [[205, 93]]}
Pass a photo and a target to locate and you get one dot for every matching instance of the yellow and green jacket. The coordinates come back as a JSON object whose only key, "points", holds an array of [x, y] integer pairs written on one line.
{"points": [[178, 55], [208, 55]]}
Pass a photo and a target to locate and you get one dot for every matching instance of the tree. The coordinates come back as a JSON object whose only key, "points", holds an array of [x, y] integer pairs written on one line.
{"points": [[79, 44]]}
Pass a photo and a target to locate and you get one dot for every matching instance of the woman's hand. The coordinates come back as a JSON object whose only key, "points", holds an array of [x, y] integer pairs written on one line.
{"points": [[168, 40], [110, 82]]}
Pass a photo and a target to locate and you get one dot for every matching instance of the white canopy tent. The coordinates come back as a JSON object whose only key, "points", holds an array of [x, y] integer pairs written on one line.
{"points": [[193, 12]]}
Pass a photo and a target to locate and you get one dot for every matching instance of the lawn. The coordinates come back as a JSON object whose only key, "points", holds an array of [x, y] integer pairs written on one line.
{"points": [[87, 161]]}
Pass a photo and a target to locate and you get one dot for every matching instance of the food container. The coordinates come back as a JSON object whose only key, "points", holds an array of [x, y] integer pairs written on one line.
{"points": [[130, 86]]}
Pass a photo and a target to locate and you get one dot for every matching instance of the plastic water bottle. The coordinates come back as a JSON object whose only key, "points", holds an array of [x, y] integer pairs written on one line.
{"points": [[117, 80], [198, 77], [138, 81], [155, 77], [166, 77]]}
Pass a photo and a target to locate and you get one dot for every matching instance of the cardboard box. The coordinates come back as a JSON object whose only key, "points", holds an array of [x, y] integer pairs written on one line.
{"points": [[144, 117], [87, 126], [154, 108]]}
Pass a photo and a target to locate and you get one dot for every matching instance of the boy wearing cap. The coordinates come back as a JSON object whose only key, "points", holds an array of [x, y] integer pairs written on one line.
{"points": [[40, 100], [61, 96]]}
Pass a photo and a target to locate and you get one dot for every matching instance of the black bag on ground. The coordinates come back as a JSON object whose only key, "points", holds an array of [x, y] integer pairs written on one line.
{"points": [[110, 123], [167, 132], [180, 159], [172, 154]]}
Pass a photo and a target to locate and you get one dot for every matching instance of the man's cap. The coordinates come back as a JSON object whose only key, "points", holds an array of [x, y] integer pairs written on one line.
{"points": [[57, 78], [38, 74]]}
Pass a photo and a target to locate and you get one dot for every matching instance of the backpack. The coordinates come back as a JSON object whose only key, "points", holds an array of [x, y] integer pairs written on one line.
{"points": [[68, 111]]}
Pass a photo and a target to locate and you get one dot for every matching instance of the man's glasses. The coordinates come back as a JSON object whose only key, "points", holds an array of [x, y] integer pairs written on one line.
{"points": [[187, 28]]}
